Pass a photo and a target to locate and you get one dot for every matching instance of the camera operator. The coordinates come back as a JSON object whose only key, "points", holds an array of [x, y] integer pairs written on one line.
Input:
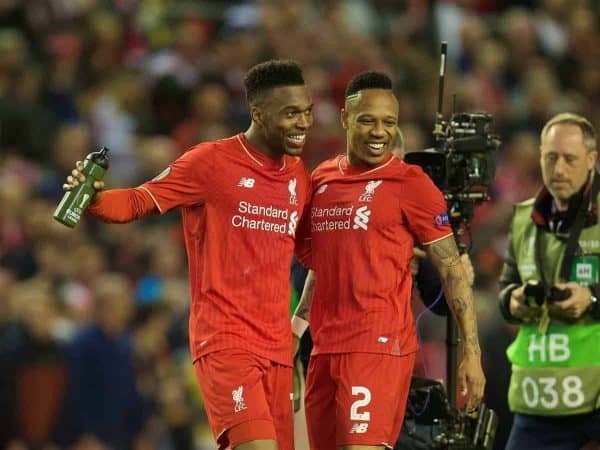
{"points": [[550, 287]]}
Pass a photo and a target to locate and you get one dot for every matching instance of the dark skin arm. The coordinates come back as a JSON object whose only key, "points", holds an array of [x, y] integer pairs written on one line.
{"points": [[459, 295], [303, 308]]}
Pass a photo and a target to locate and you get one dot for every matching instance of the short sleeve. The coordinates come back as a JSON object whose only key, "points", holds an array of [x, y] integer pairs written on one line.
{"points": [[424, 208], [186, 182]]}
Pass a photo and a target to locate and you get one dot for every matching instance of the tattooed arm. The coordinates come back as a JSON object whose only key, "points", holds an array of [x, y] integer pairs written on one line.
{"points": [[303, 308], [459, 295], [301, 315]]}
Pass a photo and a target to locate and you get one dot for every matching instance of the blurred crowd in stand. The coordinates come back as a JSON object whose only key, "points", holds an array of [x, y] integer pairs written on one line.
{"points": [[93, 321]]}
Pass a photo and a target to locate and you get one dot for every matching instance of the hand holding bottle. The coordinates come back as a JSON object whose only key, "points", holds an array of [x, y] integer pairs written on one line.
{"points": [[77, 177], [81, 186]]}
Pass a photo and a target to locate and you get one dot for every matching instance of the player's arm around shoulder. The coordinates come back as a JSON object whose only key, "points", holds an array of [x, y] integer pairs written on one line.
{"points": [[459, 295]]}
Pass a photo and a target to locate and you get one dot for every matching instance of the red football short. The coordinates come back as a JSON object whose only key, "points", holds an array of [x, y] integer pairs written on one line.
{"points": [[356, 399], [246, 398]]}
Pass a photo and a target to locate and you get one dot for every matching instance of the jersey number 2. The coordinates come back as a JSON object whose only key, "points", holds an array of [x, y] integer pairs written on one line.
{"points": [[364, 401]]}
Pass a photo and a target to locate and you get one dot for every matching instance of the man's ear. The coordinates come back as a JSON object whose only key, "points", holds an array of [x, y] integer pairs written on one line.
{"points": [[344, 118], [256, 115], [592, 157]]}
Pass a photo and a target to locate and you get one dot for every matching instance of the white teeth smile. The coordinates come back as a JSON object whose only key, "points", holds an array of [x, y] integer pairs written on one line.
{"points": [[376, 146], [297, 138]]}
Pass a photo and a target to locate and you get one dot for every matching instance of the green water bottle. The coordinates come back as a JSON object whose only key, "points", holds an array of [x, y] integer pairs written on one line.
{"points": [[74, 202]]}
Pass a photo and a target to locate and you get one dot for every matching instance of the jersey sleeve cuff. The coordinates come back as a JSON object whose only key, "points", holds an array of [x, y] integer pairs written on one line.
{"points": [[433, 241]]}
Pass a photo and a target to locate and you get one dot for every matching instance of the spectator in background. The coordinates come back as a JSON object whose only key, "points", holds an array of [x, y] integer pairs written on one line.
{"points": [[208, 117], [103, 405], [33, 368], [160, 379]]}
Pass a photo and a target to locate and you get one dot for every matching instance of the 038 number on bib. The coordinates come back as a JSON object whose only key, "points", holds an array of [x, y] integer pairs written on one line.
{"points": [[547, 393], [554, 392]]}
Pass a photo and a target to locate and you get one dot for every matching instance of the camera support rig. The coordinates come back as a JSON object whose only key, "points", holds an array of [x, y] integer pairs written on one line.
{"points": [[462, 166]]}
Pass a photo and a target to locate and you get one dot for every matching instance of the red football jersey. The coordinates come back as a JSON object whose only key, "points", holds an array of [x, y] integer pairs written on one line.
{"points": [[364, 222], [240, 210]]}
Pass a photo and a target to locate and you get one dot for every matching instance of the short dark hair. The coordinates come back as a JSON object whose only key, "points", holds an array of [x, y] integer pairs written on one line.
{"points": [[368, 80], [271, 74]]}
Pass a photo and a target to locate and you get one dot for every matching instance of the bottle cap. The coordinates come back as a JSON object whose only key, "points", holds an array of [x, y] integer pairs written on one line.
{"points": [[100, 157]]}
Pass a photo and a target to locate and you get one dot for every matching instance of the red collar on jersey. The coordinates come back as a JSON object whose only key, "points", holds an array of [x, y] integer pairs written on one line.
{"points": [[354, 169], [259, 157]]}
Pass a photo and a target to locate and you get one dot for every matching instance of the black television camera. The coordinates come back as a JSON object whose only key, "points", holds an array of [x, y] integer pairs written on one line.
{"points": [[462, 166], [462, 163], [539, 293]]}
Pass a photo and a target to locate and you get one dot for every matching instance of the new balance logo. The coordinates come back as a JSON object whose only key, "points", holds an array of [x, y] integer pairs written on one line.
{"points": [[321, 189], [238, 397], [246, 182], [367, 196], [359, 428], [361, 218]]}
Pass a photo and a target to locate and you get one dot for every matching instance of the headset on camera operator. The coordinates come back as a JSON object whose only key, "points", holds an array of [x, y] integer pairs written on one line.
{"points": [[550, 287]]}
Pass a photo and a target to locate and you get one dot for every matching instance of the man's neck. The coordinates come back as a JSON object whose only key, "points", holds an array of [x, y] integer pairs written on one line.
{"points": [[351, 160], [561, 206], [354, 161], [258, 142]]}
